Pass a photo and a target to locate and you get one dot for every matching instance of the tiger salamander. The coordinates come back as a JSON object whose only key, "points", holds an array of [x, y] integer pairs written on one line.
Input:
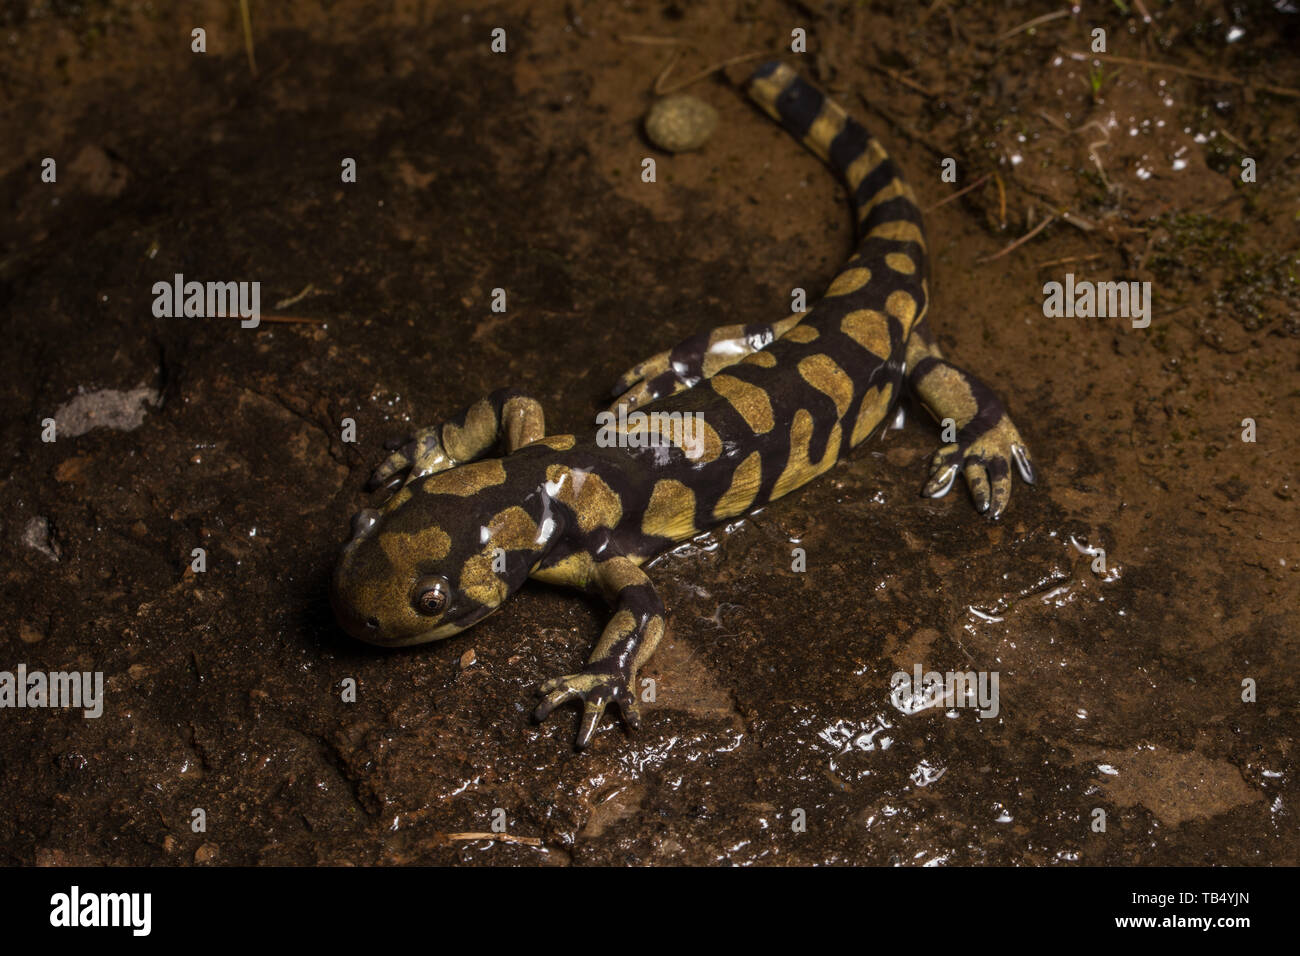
{"points": [[777, 404]]}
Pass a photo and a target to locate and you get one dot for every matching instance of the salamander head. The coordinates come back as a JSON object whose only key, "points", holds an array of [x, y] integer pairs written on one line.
{"points": [[431, 564]]}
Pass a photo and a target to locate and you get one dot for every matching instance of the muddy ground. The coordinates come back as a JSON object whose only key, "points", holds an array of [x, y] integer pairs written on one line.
{"points": [[1121, 683]]}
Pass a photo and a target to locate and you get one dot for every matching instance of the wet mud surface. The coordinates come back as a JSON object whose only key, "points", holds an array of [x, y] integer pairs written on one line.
{"points": [[1121, 683]]}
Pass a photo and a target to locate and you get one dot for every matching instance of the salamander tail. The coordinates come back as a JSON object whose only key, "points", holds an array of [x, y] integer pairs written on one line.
{"points": [[877, 191]]}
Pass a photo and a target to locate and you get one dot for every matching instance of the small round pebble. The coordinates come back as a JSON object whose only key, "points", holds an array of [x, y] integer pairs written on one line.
{"points": [[681, 122]]}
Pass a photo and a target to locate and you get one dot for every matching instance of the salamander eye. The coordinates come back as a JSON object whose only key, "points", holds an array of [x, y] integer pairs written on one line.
{"points": [[431, 594]]}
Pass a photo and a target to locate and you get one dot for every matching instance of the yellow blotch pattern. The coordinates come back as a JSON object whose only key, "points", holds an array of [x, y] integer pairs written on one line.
{"points": [[766, 90], [620, 625], [572, 571], [823, 374], [900, 230], [900, 262], [868, 328], [595, 503], [478, 432], [744, 487], [865, 164], [480, 583], [702, 444], [749, 401], [523, 420], [799, 469], [402, 496], [401, 547], [902, 307], [849, 281], [892, 190], [558, 442], [706, 440], [828, 124], [619, 573], [466, 480], [512, 529], [761, 359], [803, 334], [871, 413], [671, 511], [650, 637]]}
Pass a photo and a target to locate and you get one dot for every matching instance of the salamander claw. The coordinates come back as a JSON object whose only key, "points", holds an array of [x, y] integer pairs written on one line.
{"points": [[673, 370], [1024, 464], [419, 455], [640, 371], [651, 380], [596, 690], [641, 394], [985, 459], [943, 471]]}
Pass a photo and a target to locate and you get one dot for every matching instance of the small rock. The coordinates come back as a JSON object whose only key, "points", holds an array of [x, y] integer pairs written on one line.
{"points": [[70, 468], [37, 537], [467, 659], [206, 853], [30, 634], [97, 172], [106, 408], [680, 123]]}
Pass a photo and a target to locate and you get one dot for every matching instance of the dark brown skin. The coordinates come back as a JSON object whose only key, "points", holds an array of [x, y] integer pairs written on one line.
{"points": [[769, 408]]}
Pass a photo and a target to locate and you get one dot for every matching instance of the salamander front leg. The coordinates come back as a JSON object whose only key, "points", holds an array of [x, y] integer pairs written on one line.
{"points": [[506, 416], [628, 641]]}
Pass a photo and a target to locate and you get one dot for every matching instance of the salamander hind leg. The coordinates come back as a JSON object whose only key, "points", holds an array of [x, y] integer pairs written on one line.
{"points": [[691, 361], [986, 441], [627, 642], [506, 417]]}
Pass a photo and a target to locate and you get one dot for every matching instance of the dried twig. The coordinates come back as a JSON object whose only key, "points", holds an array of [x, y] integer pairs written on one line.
{"points": [[1078, 221], [651, 41], [959, 193], [307, 290], [292, 319], [1054, 121], [498, 837], [1030, 24], [1056, 262], [910, 84], [1022, 240], [668, 68], [248, 35], [1233, 140], [661, 90], [1183, 70]]}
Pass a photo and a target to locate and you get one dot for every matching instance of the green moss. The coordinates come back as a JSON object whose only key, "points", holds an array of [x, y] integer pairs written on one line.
{"points": [[1254, 281]]}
